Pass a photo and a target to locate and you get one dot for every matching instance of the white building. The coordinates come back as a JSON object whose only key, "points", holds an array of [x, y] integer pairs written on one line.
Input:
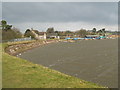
{"points": [[39, 35]]}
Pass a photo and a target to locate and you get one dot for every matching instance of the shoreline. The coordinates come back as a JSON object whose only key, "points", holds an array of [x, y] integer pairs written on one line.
{"points": [[15, 48], [87, 50]]}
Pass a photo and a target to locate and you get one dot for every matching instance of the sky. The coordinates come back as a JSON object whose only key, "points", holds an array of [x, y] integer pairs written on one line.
{"points": [[61, 15]]}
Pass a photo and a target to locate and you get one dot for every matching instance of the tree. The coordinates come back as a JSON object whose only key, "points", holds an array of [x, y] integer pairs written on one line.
{"points": [[3, 24], [50, 30], [8, 27], [18, 33], [11, 34], [82, 33], [94, 30], [103, 30], [60, 33], [56, 31], [8, 32], [28, 33], [99, 32], [68, 32]]}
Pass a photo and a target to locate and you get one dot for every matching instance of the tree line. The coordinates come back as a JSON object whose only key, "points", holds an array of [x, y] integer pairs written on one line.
{"points": [[9, 32]]}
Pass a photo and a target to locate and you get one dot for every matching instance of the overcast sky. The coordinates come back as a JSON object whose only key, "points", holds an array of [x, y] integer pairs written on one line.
{"points": [[61, 15]]}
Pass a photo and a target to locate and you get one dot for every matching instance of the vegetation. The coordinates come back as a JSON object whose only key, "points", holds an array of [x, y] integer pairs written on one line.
{"points": [[11, 34], [5, 26], [8, 32], [79, 33], [50, 30], [94, 30], [19, 73], [82, 33], [28, 33], [0, 65], [101, 32]]}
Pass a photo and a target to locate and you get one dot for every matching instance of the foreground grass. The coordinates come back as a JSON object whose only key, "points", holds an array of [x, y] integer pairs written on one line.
{"points": [[19, 73], [0, 66]]}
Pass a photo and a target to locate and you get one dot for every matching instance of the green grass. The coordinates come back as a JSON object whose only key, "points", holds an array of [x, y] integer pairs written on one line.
{"points": [[0, 66], [19, 73]]}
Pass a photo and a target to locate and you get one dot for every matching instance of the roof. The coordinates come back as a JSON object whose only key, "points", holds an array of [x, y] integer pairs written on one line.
{"points": [[39, 33]]}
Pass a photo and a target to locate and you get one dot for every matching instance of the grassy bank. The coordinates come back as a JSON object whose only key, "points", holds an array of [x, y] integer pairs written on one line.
{"points": [[19, 73]]}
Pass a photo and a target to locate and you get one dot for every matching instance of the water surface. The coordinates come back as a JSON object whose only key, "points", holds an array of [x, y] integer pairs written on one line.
{"points": [[94, 60]]}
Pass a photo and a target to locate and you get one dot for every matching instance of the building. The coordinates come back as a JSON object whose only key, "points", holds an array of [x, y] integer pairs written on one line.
{"points": [[39, 35], [52, 36], [42, 35]]}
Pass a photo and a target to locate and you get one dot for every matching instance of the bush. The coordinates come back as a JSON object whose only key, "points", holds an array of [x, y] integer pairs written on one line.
{"points": [[11, 34]]}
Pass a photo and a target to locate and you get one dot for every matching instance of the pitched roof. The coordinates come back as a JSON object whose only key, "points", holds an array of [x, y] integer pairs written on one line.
{"points": [[39, 33]]}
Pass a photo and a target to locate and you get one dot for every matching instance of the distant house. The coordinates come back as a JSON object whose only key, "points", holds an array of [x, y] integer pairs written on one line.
{"points": [[39, 35], [35, 34], [52, 36], [42, 35]]}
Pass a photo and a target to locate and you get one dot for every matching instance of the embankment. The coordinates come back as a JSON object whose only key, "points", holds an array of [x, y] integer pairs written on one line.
{"points": [[15, 48]]}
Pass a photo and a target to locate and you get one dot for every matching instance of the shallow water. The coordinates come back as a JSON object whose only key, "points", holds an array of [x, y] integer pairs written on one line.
{"points": [[94, 60]]}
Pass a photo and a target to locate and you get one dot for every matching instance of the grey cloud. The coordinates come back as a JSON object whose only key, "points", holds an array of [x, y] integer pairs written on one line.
{"points": [[99, 12]]}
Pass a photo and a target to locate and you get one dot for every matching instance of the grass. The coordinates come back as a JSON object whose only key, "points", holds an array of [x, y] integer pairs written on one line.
{"points": [[0, 66], [20, 73]]}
